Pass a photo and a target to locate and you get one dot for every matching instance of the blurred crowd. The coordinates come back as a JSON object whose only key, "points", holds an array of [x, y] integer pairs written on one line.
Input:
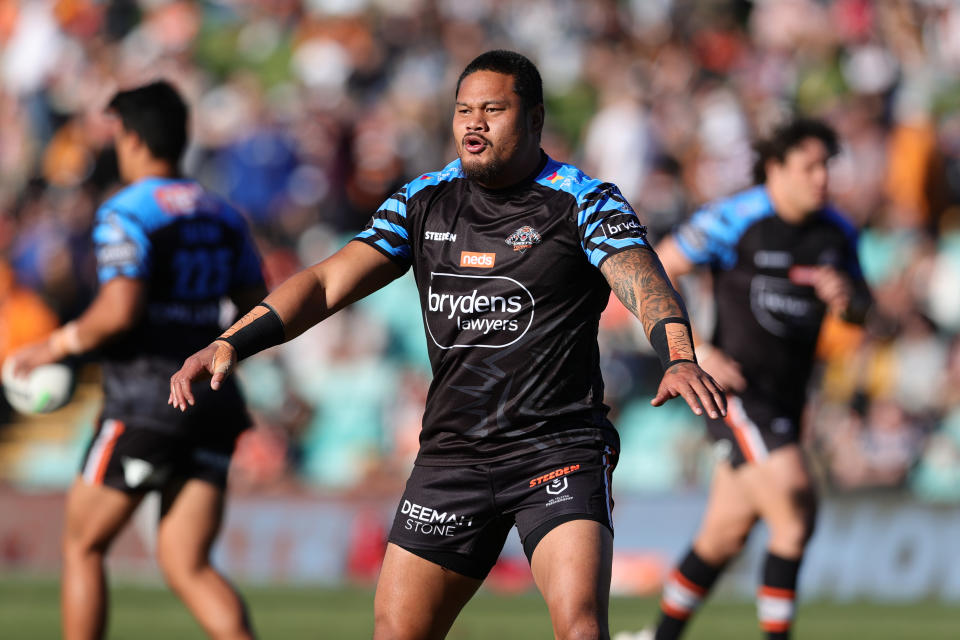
{"points": [[307, 114]]}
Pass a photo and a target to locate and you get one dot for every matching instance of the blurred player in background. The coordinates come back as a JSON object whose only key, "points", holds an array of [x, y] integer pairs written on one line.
{"points": [[168, 253], [781, 258], [514, 254]]}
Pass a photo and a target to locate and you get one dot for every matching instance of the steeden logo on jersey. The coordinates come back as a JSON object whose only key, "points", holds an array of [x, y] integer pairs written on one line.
{"points": [[441, 236], [524, 238], [554, 475]]}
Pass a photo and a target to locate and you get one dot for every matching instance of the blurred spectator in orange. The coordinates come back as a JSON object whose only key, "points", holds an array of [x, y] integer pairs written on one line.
{"points": [[24, 318]]}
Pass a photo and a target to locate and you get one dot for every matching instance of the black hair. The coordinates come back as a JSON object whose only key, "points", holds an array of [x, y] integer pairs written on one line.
{"points": [[787, 137], [526, 79], [158, 115]]}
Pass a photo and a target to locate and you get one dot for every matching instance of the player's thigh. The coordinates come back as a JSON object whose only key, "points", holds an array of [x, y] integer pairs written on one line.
{"points": [[102, 498], [192, 511], [760, 442], [192, 498], [730, 513], [446, 536], [781, 486], [95, 514], [564, 511], [416, 598], [571, 566]]}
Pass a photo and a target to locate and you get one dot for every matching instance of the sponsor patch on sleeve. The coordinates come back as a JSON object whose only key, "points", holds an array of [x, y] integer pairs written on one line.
{"points": [[623, 225], [118, 254]]}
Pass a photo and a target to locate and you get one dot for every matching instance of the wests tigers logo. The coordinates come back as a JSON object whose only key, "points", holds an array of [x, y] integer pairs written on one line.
{"points": [[524, 238]]}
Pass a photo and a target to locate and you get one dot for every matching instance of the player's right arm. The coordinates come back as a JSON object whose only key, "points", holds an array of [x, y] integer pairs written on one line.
{"points": [[304, 300], [123, 251], [316, 293], [116, 309]]}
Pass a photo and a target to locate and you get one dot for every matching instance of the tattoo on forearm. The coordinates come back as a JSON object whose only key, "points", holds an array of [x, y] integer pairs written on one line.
{"points": [[679, 341], [637, 278]]}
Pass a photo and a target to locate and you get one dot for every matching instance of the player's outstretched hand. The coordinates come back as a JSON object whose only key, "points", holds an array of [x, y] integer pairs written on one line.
{"points": [[216, 360], [28, 358], [688, 380]]}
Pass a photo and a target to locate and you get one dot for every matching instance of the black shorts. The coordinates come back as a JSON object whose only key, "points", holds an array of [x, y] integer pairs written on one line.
{"points": [[752, 429], [459, 517], [134, 459]]}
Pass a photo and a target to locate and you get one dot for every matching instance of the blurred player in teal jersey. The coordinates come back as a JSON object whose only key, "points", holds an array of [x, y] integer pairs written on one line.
{"points": [[168, 253], [781, 258]]}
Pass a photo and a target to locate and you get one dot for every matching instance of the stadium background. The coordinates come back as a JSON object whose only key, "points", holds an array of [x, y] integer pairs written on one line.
{"points": [[307, 114]]}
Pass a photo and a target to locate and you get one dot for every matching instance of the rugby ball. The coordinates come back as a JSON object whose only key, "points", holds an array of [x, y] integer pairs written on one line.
{"points": [[45, 389]]}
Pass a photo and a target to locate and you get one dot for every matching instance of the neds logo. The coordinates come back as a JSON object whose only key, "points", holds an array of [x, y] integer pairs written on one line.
{"points": [[475, 259], [476, 311]]}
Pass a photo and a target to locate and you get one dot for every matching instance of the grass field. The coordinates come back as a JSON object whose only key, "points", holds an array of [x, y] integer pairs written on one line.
{"points": [[28, 610]]}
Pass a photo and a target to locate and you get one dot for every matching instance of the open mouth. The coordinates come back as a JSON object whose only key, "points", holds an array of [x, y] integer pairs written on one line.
{"points": [[474, 143]]}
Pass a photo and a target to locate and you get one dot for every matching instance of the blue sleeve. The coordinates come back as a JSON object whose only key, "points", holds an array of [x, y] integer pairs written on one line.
{"points": [[709, 237], [607, 224], [387, 231], [121, 244]]}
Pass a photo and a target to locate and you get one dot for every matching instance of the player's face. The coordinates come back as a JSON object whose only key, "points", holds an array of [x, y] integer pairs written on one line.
{"points": [[803, 175], [495, 135]]}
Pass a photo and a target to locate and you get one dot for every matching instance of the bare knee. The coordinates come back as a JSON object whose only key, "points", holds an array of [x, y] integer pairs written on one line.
{"points": [[179, 570], [390, 627], [586, 628], [391, 622], [722, 548], [80, 542], [178, 579], [78, 547], [584, 622], [718, 546]]}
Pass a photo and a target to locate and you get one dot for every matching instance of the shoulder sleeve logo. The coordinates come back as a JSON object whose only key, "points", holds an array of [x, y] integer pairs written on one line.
{"points": [[524, 238], [179, 199]]}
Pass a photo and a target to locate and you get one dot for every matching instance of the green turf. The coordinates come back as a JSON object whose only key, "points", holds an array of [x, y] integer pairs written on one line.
{"points": [[28, 609]]}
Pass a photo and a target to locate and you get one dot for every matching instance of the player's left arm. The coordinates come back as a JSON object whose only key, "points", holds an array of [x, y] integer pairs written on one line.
{"points": [[638, 279], [115, 310]]}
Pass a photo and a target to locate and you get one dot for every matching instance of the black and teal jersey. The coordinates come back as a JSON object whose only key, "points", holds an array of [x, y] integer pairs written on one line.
{"points": [[511, 294], [191, 250], [768, 315]]}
